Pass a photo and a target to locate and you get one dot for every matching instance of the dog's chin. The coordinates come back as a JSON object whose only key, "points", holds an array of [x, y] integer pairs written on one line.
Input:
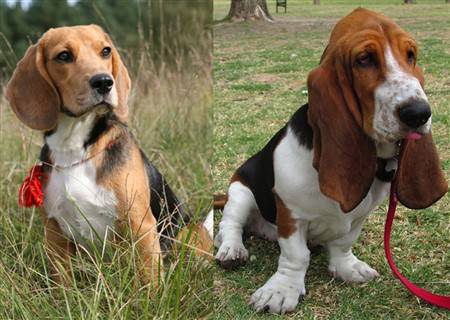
{"points": [[102, 108], [99, 108]]}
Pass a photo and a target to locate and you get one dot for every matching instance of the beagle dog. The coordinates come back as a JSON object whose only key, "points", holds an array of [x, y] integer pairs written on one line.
{"points": [[73, 87], [321, 175]]}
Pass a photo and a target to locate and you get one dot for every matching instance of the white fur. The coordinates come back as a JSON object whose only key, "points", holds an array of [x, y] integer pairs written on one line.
{"points": [[240, 211], [84, 210], [256, 224], [398, 88], [281, 292], [113, 98], [209, 224], [240, 205]]}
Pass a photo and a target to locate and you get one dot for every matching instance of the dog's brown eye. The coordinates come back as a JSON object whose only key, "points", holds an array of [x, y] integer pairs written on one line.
{"points": [[106, 52], [411, 56], [365, 60], [64, 56]]}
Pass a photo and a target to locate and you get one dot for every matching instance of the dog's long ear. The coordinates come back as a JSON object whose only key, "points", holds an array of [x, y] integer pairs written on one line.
{"points": [[31, 92], [421, 181], [344, 156], [123, 84]]}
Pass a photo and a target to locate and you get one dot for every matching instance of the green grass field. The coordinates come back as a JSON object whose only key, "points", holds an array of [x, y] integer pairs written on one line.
{"points": [[260, 72], [170, 116]]}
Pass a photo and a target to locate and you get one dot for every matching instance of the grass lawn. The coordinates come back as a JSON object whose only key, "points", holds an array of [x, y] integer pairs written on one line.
{"points": [[260, 72]]}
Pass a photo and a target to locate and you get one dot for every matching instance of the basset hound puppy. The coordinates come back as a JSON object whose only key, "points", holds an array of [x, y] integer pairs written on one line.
{"points": [[321, 175], [73, 87]]}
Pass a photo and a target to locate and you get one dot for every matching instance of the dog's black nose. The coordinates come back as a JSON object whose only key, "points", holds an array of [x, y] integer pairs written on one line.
{"points": [[102, 83], [415, 113]]}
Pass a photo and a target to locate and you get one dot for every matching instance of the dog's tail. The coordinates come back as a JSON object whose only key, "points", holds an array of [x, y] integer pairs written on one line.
{"points": [[199, 237], [219, 201]]}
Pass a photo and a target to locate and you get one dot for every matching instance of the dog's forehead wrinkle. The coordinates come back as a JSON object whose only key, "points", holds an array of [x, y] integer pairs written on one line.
{"points": [[73, 37]]}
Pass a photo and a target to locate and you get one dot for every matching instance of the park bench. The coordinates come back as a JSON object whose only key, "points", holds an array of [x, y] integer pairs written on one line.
{"points": [[281, 3]]}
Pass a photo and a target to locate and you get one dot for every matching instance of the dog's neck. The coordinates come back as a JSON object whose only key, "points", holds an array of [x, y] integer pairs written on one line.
{"points": [[387, 150], [67, 141]]}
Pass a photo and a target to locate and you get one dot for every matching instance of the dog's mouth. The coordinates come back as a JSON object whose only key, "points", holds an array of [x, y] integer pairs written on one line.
{"points": [[103, 103], [100, 108], [414, 135]]}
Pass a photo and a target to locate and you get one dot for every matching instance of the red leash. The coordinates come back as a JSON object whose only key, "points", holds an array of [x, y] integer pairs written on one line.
{"points": [[434, 299]]}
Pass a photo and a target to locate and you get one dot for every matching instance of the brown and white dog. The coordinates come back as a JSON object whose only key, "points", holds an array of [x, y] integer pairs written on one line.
{"points": [[73, 86], [321, 175]]}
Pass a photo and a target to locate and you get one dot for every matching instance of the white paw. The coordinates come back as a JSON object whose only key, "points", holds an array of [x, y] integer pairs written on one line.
{"points": [[231, 254], [279, 295], [351, 269]]}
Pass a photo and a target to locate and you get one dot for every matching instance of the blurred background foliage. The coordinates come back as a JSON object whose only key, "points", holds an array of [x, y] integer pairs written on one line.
{"points": [[166, 30]]}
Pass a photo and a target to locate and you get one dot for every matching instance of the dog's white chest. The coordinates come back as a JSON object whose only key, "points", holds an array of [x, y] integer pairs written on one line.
{"points": [[296, 182], [84, 210]]}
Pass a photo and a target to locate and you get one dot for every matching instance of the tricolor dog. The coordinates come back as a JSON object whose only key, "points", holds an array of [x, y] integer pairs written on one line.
{"points": [[73, 87], [321, 175]]}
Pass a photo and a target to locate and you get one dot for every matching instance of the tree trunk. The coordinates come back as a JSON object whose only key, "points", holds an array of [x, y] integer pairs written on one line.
{"points": [[249, 10], [316, 2], [408, 1]]}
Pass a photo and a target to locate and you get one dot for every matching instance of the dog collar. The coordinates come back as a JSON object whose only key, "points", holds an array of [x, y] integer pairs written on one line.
{"points": [[110, 144], [31, 193]]}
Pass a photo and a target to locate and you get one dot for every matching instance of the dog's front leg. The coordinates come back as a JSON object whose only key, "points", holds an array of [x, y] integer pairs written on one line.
{"points": [[146, 237], [342, 263], [59, 250], [282, 291]]}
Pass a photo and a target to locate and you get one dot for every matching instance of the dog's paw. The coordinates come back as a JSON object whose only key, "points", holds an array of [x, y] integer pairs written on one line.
{"points": [[351, 269], [278, 295], [231, 255]]}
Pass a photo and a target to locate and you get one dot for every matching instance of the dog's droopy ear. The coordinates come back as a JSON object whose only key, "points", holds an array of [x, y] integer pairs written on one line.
{"points": [[344, 155], [31, 93], [421, 181]]}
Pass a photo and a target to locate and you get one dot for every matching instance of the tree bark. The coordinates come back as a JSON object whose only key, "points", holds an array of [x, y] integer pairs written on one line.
{"points": [[249, 10], [408, 1], [316, 2]]}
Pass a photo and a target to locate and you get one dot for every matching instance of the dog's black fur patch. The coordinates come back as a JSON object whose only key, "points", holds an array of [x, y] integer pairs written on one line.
{"points": [[101, 126], [382, 174], [166, 207], [257, 172], [115, 156], [301, 128], [44, 157], [117, 152]]}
